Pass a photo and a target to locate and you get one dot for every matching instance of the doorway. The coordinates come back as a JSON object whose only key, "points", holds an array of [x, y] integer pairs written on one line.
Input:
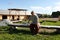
{"points": [[4, 17]]}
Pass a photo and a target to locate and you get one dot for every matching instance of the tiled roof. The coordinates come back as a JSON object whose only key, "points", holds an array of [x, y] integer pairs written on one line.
{"points": [[7, 12], [18, 9]]}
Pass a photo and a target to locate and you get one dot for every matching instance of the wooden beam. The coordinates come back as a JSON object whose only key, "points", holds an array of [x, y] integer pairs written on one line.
{"points": [[41, 26]]}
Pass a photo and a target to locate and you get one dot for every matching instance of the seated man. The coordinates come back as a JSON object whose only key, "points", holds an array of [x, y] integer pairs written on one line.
{"points": [[34, 26]]}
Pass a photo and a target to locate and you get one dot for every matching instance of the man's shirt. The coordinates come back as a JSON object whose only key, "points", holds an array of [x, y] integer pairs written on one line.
{"points": [[34, 19]]}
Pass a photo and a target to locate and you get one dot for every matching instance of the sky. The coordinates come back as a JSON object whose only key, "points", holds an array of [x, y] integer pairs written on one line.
{"points": [[38, 6]]}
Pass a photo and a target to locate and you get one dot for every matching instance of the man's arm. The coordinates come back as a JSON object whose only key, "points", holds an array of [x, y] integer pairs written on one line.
{"points": [[29, 19], [37, 20]]}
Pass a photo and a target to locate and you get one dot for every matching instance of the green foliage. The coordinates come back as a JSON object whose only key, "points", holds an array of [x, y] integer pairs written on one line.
{"points": [[43, 16], [46, 16], [56, 14]]}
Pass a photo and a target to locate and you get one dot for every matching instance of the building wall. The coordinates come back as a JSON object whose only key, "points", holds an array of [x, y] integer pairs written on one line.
{"points": [[12, 13], [15, 17], [9, 17], [0, 17], [22, 17]]}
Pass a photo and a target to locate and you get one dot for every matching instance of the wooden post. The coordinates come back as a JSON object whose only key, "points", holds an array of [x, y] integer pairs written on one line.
{"points": [[9, 14], [59, 18]]}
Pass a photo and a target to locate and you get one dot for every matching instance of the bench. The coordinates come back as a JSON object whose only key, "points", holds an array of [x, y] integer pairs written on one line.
{"points": [[14, 25]]}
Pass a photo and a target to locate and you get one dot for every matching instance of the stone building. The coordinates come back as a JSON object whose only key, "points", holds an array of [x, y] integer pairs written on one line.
{"points": [[14, 14]]}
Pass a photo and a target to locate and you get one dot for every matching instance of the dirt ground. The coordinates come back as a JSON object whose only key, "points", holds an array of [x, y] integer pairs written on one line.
{"points": [[47, 30], [55, 19]]}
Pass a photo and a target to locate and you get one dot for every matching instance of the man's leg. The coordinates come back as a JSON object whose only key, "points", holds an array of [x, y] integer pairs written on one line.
{"points": [[36, 29], [31, 28]]}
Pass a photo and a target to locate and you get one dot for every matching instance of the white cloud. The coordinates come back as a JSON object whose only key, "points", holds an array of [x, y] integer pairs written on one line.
{"points": [[56, 8], [47, 9], [40, 9], [36, 7], [57, 3]]}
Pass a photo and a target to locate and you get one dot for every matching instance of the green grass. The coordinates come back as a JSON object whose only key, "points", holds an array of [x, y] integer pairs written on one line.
{"points": [[57, 23], [25, 34]]}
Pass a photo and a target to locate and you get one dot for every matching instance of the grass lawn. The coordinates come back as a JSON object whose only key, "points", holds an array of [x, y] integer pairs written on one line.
{"points": [[25, 34], [57, 23]]}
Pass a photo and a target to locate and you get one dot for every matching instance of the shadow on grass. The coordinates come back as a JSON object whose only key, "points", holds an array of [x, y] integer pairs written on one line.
{"points": [[52, 33], [19, 31], [23, 31], [29, 33]]}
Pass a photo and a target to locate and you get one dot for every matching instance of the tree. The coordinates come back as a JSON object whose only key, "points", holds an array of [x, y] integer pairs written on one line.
{"points": [[46, 16], [55, 14], [39, 15]]}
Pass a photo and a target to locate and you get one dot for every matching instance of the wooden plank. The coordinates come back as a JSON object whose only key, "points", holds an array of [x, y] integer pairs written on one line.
{"points": [[50, 27], [20, 25], [41, 26], [9, 23]]}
